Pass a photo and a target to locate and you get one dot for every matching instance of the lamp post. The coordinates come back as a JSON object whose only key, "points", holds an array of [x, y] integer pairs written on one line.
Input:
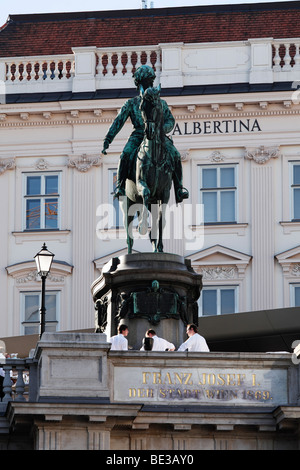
{"points": [[43, 261]]}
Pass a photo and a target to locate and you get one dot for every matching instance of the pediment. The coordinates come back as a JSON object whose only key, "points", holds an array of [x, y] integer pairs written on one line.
{"points": [[289, 256], [26, 272], [218, 255], [290, 262]]}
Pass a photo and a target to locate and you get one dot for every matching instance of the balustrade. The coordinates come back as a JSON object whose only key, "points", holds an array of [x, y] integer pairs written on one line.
{"points": [[109, 64], [286, 55], [116, 63], [24, 70], [16, 380], [101, 68]]}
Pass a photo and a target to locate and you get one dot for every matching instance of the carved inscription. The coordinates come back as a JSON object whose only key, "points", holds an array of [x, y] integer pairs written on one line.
{"points": [[197, 385]]}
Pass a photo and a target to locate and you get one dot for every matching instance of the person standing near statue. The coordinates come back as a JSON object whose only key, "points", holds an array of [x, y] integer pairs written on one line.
{"points": [[119, 342], [143, 78], [159, 344], [195, 342]]}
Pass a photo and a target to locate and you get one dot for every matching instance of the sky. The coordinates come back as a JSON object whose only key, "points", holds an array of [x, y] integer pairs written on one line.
{"points": [[37, 6]]}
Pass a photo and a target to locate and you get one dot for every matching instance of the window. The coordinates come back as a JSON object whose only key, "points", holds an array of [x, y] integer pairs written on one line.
{"points": [[42, 201], [295, 187], [31, 303], [218, 300], [295, 295], [218, 193], [116, 216]]}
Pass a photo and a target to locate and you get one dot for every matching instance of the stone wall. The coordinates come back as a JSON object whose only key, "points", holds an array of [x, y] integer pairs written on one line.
{"points": [[91, 398]]}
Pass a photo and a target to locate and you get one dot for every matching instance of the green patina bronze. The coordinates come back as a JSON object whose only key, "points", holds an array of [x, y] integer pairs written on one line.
{"points": [[149, 161], [154, 304]]}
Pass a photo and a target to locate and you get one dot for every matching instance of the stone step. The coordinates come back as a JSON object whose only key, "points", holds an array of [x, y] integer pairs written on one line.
{"points": [[4, 425]]}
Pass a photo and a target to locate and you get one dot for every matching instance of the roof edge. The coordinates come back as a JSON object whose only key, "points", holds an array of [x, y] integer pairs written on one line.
{"points": [[170, 11], [8, 21]]}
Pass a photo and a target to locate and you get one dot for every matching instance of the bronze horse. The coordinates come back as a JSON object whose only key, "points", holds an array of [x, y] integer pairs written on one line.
{"points": [[151, 179]]}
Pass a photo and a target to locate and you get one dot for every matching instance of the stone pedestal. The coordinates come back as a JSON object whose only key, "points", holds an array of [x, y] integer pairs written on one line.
{"points": [[147, 290], [72, 364]]}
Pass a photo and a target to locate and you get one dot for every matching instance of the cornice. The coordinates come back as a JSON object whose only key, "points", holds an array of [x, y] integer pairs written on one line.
{"points": [[224, 115], [55, 120]]}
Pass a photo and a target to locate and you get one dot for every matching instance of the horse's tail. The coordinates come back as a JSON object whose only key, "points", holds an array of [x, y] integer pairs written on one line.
{"points": [[143, 225], [143, 216]]}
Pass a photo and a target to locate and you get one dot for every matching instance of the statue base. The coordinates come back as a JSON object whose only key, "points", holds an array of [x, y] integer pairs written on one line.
{"points": [[147, 290]]}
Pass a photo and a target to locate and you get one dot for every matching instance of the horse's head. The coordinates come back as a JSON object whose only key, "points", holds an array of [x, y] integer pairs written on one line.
{"points": [[151, 109]]}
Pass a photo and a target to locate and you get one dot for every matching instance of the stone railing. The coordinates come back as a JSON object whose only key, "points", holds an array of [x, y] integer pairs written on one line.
{"points": [[88, 69], [263, 60], [39, 74], [113, 62], [16, 385], [33, 69], [286, 55], [286, 60], [115, 67]]}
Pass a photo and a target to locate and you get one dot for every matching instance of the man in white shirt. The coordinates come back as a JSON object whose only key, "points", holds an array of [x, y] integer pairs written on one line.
{"points": [[119, 342], [195, 342], [159, 344]]}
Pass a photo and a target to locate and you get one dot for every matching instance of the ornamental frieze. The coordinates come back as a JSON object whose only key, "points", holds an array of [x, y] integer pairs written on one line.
{"points": [[84, 163], [295, 270], [218, 272], [262, 154], [33, 276]]}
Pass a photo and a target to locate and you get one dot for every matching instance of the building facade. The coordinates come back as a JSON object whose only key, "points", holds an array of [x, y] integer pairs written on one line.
{"points": [[230, 75]]}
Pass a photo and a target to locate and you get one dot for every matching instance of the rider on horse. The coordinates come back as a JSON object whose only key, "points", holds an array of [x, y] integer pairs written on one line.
{"points": [[143, 79]]}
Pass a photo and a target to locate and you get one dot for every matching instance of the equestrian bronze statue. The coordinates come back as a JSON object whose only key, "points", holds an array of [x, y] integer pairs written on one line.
{"points": [[149, 162]]}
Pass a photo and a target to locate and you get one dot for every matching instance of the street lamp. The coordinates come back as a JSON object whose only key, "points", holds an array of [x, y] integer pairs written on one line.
{"points": [[43, 261]]}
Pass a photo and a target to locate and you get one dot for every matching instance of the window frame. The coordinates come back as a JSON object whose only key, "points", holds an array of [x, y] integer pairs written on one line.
{"points": [[218, 189], [24, 323], [112, 218], [42, 197], [293, 287], [292, 188], [219, 288]]}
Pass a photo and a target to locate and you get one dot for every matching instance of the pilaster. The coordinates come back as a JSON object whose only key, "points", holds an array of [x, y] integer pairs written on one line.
{"points": [[262, 216], [83, 247]]}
